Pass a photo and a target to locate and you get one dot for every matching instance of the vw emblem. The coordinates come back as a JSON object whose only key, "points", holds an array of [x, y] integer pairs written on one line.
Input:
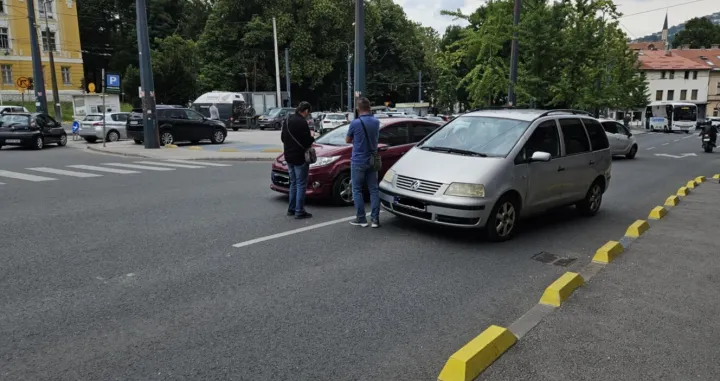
{"points": [[415, 185]]}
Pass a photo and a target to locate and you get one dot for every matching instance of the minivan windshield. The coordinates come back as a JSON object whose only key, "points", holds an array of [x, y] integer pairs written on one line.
{"points": [[477, 136]]}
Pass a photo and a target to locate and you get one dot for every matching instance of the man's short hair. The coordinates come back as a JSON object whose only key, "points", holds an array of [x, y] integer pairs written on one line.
{"points": [[363, 104], [303, 106]]}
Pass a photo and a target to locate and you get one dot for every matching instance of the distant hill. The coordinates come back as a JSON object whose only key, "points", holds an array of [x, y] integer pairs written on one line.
{"points": [[673, 30]]}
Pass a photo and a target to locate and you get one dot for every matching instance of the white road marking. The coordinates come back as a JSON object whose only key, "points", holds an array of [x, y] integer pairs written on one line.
{"points": [[291, 232], [64, 172], [688, 137], [676, 140], [650, 148], [191, 162], [23, 176], [135, 166], [665, 144], [2, 183], [103, 169], [169, 164]]}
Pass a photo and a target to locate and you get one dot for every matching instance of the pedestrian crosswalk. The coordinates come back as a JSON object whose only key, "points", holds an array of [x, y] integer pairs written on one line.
{"points": [[42, 174]]}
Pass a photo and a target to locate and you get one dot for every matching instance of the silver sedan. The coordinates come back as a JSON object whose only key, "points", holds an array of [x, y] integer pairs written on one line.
{"points": [[91, 128]]}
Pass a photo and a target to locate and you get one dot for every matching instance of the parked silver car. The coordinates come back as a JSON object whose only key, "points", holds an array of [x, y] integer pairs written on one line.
{"points": [[622, 141], [487, 169], [91, 128]]}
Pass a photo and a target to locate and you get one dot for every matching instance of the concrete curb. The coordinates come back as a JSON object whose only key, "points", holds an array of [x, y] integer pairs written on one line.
{"points": [[473, 358], [214, 158]]}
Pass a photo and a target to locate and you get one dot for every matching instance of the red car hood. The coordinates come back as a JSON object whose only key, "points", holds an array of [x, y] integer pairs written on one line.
{"points": [[323, 150]]}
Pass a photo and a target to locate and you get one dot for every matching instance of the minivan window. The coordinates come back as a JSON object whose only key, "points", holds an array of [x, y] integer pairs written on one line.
{"points": [[574, 136], [481, 135], [610, 127], [598, 137], [544, 139]]}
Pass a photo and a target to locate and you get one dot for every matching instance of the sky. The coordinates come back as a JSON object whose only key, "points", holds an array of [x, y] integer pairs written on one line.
{"points": [[427, 12]]}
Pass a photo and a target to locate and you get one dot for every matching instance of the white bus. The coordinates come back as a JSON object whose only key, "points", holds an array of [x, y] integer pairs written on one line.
{"points": [[670, 116]]}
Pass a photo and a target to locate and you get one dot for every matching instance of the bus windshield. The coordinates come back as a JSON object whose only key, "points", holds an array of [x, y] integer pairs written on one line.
{"points": [[685, 113]]}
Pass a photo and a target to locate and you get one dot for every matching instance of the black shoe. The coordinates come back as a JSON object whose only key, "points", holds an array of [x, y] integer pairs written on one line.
{"points": [[303, 215], [359, 222], [375, 223], [291, 213]]}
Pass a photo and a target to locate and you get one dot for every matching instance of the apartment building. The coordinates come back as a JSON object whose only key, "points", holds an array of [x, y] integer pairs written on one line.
{"points": [[63, 40], [709, 58]]}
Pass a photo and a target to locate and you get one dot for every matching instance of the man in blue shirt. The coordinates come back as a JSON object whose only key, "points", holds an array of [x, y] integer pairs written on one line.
{"points": [[364, 133]]}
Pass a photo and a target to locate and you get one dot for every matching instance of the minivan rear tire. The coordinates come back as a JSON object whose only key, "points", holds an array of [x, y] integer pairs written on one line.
{"points": [[590, 205], [507, 208]]}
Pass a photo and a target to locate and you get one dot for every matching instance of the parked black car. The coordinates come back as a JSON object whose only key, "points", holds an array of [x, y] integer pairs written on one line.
{"points": [[33, 130], [176, 124]]}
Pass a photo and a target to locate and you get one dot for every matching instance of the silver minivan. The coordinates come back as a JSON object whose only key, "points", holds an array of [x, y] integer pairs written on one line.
{"points": [[487, 169]]}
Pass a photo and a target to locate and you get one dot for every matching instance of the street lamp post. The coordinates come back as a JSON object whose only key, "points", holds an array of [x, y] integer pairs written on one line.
{"points": [[359, 48], [349, 77]]}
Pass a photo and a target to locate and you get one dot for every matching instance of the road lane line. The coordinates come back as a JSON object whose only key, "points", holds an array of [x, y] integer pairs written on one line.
{"points": [[665, 144], [192, 162], [64, 172], [676, 140], [650, 148], [294, 231], [135, 166], [23, 176], [169, 164], [688, 137], [103, 169]]}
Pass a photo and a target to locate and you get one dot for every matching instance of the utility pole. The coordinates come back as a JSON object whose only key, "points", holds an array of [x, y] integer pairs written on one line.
{"points": [[287, 75], [359, 48], [277, 65], [103, 104], [514, 54], [420, 86], [349, 80], [598, 83], [53, 75], [146, 77], [39, 80]]}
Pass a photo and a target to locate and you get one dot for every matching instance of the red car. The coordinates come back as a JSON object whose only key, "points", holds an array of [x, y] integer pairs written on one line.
{"points": [[330, 176]]}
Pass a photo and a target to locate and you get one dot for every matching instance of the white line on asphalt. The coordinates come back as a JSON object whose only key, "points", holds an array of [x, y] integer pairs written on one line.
{"points": [[291, 232], [665, 144], [169, 164], [64, 172], [135, 166], [676, 140], [191, 162], [2, 183], [688, 137], [23, 176], [103, 169], [650, 148]]}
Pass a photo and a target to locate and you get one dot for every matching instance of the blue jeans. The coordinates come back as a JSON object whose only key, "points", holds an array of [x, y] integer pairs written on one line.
{"points": [[298, 185], [360, 175]]}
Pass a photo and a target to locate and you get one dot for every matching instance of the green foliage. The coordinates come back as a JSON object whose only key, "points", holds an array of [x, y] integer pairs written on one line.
{"points": [[698, 33]]}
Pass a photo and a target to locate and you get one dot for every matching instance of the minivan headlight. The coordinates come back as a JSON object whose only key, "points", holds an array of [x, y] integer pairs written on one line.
{"points": [[323, 161], [389, 176], [465, 190]]}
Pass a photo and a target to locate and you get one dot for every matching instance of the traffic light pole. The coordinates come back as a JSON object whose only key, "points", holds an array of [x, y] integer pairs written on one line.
{"points": [[53, 75], [146, 78], [39, 80]]}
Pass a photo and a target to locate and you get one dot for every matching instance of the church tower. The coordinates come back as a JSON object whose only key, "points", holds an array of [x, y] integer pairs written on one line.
{"points": [[665, 32]]}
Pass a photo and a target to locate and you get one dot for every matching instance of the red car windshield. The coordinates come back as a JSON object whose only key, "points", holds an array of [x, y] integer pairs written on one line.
{"points": [[336, 137]]}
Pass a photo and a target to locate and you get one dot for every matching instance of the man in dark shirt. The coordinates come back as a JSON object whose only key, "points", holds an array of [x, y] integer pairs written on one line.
{"points": [[296, 139]]}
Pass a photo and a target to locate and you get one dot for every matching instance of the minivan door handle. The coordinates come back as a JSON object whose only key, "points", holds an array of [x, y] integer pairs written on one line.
{"points": [[560, 168]]}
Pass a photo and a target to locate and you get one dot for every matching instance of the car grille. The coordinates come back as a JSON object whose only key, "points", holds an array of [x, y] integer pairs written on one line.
{"points": [[417, 185], [281, 179]]}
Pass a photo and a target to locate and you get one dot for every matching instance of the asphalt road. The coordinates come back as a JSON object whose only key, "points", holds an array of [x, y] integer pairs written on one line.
{"points": [[134, 276]]}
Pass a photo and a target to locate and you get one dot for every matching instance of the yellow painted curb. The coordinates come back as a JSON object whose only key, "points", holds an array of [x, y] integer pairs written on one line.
{"points": [[195, 148], [672, 201], [560, 290], [657, 213], [691, 184], [272, 150], [637, 228], [683, 191], [469, 361], [716, 176], [700, 179], [608, 252], [228, 149], [170, 146]]}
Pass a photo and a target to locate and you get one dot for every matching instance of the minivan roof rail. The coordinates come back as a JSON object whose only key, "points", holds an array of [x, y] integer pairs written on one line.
{"points": [[566, 111]]}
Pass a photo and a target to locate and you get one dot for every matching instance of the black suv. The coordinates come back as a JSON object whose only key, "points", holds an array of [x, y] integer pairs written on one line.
{"points": [[176, 124]]}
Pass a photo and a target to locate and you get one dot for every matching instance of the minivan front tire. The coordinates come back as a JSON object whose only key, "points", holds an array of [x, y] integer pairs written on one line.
{"points": [[593, 199], [503, 219]]}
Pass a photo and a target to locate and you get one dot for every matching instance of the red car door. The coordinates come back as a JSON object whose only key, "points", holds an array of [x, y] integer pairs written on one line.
{"points": [[397, 138]]}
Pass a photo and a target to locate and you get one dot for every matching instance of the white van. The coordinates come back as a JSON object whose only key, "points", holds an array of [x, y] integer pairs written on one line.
{"points": [[670, 116], [226, 103]]}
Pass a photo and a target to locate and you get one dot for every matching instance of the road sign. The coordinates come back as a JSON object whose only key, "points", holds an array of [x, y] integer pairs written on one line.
{"points": [[91, 87], [112, 83], [23, 82]]}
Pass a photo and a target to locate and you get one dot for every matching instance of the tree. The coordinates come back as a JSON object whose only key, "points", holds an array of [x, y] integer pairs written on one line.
{"points": [[175, 68], [698, 33]]}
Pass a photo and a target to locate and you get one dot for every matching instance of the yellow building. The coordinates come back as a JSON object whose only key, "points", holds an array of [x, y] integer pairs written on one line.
{"points": [[64, 39]]}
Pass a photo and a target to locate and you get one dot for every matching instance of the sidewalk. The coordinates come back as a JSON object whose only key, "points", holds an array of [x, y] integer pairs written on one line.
{"points": [[651, 314]]}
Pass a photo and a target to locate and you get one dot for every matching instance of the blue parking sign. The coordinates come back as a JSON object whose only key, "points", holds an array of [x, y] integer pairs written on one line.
{"points": [[112, 83]]}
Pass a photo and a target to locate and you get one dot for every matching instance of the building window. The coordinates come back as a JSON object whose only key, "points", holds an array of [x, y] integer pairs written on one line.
{"points": [[7, 77], [695, 74], [66, 75], [50, 43], [693, 96], [671, 94], [683, 95], [41, 8], [672, 74], [718, 88], [658, 95], [662, 74], [687, 74], [4, 38]]}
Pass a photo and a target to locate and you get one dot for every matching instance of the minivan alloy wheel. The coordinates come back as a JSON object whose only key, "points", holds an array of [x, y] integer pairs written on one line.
{"points": [[505, 219], [595, 198]]}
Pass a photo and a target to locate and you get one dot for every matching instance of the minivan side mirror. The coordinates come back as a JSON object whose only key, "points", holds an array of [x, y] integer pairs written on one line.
{"points": [[540, 156]]}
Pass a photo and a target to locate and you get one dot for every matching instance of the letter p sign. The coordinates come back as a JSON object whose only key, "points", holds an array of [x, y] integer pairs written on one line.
{"points": [[112, 82]]}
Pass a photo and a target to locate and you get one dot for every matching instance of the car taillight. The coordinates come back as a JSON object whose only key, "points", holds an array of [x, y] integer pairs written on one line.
{"points": [[97, 124]]}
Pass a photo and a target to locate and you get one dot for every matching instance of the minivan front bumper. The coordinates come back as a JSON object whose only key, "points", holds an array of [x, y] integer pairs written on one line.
{"points": [[419, 207]]}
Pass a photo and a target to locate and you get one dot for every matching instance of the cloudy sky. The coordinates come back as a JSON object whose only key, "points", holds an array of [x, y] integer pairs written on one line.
{"points": [[428, 12]]}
